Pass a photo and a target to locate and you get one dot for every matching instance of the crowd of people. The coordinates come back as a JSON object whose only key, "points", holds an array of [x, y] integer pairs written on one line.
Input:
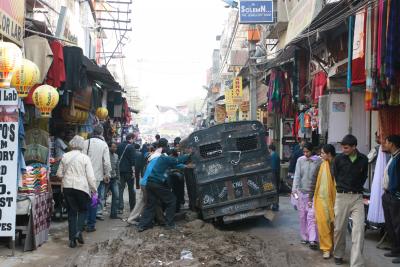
{"points": [[92, 168], [328, 189]]}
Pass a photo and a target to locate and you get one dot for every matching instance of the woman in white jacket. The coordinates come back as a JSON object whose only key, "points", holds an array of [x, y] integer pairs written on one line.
{"points": [[78, 182]]}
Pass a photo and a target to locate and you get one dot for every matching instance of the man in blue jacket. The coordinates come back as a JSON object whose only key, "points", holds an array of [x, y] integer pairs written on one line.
{"points": [[158, 189]]}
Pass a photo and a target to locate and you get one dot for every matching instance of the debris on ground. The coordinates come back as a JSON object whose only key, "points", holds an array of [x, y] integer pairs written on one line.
{"points": [[195, 243]]}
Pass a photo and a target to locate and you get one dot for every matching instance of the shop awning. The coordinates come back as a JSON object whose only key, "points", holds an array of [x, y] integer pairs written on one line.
{"points": [[101, 75]]}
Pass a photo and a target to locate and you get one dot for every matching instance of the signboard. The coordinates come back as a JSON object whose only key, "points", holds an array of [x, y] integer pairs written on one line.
{"points": [[256, 11], [8, 160], [301, 17], [237, 90], [220, 114], [12, 20]]}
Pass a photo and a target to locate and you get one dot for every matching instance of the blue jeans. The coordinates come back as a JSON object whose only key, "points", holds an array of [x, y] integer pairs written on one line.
{"points": [[114, 187], [91, 216], [101, 191]]}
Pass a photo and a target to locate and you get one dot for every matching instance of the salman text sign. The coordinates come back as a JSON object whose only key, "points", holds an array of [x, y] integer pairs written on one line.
{"points": [[12, 19], [237, 90], [8, 160]]}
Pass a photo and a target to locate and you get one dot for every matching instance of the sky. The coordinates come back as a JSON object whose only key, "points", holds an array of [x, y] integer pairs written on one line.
{"points": [[171, 48]]}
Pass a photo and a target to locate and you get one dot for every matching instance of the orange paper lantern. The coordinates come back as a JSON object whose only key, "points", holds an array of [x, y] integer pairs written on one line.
{"points": [[10, 59], [25, 76], [45, 98]]}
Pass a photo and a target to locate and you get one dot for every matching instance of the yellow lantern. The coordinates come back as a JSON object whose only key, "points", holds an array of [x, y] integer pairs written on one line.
{"points": [[102, 113], [25, 76], [45, 98], [10, 59]]}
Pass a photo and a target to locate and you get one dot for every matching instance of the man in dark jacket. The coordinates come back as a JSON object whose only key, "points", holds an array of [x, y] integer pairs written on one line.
{"points": [[158, 189], [391, 197], [350, 172], [127, 153]]}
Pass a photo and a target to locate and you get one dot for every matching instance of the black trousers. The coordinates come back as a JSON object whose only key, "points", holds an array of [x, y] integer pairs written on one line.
{"points": [[77, 202], [158, 192], [127, 179], [177, 182], [391, 210]]}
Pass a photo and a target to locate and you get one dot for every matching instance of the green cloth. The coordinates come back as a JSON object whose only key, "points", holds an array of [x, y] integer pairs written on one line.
{"points": [[353, 157]]}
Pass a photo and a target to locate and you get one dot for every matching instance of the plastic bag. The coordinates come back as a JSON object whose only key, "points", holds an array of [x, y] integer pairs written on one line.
{"points": [[95, 200]]}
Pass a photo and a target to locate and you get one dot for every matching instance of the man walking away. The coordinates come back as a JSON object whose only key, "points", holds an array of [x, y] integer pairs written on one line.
{"points": [[276, 167], [126, 152], [114, 181], [97, 150], [350, 172], [158, 189], [391, 197]]}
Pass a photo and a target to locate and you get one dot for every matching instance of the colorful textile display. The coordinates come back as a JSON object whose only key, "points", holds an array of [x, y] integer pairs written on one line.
{"points": [[35, 179]]}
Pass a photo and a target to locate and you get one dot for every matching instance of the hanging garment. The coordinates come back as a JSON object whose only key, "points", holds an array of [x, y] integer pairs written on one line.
{"points": [[75, 70], [318, 86], [368, 61], [324, 203], [36, 153], [392, 57], [287, 109], [37, 50], [37, 136], [375, 210], [358, 70], [56, 73]]}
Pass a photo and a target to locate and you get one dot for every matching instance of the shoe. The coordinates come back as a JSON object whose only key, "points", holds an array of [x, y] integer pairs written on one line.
{"points": [[304, 242], [79, 238], [275, 207], [115, 218], [89, 230], [313, 245], [326, 255], [140, 229], [100, 218], [391, 255], [170, 227], [72, 244], [338, 261], [396, 261]]}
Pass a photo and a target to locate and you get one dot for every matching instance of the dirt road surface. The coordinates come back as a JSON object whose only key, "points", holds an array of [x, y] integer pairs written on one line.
{"points": [[248, 243]]}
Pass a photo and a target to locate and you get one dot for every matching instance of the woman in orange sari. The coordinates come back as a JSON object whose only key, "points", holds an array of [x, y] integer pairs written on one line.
{"points": [[324, 200]]}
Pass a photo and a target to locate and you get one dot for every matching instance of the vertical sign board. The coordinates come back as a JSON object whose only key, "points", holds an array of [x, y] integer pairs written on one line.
{"points": [[8, 160], [256, 11], [12, 16], [238, 90]]}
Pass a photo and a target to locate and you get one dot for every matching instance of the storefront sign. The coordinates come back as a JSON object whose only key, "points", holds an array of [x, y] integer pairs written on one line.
{"points": [[301, 17], [256, 11], [237, 90], [82, 98], [8, 160], [12, 20]]}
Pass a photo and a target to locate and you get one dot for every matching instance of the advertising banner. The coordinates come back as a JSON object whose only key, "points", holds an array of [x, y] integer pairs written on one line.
{"points": [[237, 90], [256, 11], [8, 160], [12, 20]]}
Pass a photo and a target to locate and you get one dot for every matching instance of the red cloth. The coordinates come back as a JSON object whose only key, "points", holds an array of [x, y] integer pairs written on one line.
{"points": [[56, 73], [389, 122], [28, 100], [318, 86]]}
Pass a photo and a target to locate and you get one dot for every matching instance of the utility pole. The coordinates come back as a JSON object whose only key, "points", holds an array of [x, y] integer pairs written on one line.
{"points": [[253, 81]]}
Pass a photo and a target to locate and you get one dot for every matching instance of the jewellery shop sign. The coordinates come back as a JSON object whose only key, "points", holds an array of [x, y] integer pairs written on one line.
{"points": [[8, 160]]}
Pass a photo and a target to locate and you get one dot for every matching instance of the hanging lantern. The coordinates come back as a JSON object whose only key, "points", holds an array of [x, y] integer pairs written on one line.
{"points": [[102, 113], [10, 59], [45, 99], [25, 76]]}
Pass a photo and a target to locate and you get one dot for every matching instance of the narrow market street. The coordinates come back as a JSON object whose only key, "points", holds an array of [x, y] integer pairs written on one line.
{"points": [[281, 246]]}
